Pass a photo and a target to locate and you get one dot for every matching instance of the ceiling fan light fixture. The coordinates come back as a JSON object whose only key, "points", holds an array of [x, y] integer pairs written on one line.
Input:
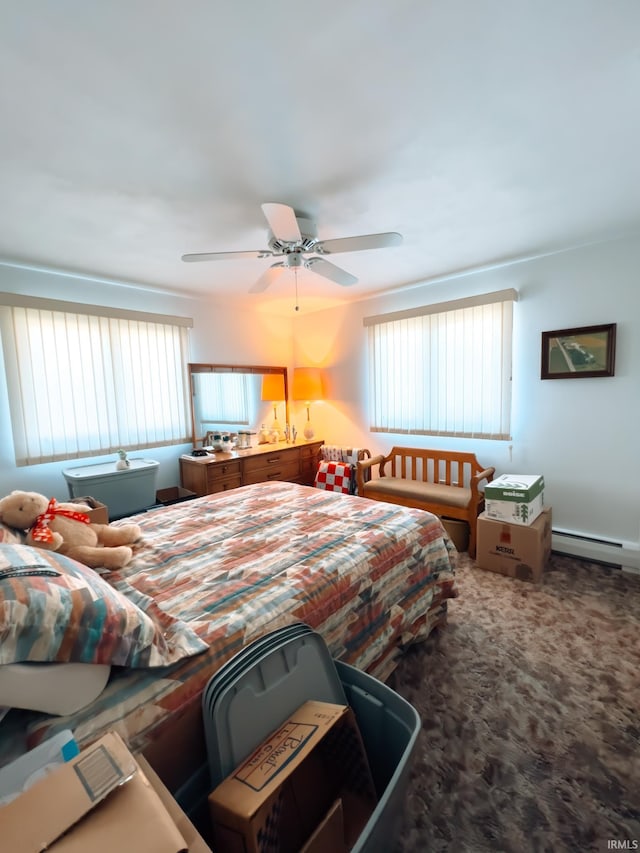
{"points": [[294, 260], [291, 237]]}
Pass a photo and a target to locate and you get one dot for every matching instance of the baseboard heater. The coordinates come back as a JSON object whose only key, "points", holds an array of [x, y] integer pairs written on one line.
{"points": [[623, 554]]}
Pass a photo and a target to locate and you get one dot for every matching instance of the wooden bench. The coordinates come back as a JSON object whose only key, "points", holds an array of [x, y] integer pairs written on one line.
{"points": [[443, 482]]}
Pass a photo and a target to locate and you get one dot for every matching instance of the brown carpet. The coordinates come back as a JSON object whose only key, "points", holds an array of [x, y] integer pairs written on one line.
{"points": [[530, 705]]}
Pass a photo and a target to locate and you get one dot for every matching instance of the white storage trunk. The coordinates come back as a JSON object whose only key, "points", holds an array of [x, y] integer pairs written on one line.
{"points": [[124, 492]]}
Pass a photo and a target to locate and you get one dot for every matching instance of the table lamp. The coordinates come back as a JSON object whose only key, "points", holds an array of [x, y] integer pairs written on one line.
{"points": [[307, 386], [273, 392]]}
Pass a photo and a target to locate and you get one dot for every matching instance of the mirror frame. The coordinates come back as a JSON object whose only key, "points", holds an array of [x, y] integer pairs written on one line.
{"points": [[233, 368]]}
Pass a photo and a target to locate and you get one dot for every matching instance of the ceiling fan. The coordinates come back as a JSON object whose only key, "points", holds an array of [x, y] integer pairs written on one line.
{"points": [[293, 238]]}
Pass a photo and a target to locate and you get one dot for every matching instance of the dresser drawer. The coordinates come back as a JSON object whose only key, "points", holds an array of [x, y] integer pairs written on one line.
{"points": [[273, 458], [222, 470], [224, 485], [279, 467], [310, 451], [223, 476]]}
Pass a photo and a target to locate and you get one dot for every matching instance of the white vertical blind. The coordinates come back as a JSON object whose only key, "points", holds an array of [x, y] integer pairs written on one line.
{"points": [[444, 369], [84, 385], [223, 399]]}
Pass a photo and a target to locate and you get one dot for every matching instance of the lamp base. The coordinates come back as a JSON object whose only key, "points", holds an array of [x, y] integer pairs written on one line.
{"points": [[308, 431]]}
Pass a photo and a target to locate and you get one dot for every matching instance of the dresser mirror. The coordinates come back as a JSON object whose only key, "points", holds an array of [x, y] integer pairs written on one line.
{"points": [[231, 400]]}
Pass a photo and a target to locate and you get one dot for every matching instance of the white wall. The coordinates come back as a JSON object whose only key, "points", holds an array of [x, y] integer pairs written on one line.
{"points": [[579, 433], [220, 334]]}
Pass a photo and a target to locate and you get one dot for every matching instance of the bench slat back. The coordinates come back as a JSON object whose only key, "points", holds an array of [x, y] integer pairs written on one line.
{"points": [[432, 466]]}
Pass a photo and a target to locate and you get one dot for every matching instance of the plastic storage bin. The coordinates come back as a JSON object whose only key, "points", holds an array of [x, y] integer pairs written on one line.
{"points": [[389, 726], [124, 492], [265, 683]]}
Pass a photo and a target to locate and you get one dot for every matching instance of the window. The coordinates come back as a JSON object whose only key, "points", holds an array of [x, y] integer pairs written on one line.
{"points": [[85, 381], [443, 369]]}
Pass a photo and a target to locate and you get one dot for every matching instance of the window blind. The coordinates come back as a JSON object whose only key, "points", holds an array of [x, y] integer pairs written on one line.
{"points": [[83, 383], [443, 369], [223, 399]]}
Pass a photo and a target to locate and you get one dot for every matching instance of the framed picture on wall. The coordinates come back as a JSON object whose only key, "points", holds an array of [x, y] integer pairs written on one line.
{"points": [[579, 353]]}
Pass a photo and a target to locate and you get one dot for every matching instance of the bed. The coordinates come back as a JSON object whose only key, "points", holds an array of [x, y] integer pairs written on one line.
{"points": [[220, 571]]}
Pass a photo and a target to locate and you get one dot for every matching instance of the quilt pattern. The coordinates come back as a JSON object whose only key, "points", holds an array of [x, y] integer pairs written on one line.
{"points": [[370, 577]]}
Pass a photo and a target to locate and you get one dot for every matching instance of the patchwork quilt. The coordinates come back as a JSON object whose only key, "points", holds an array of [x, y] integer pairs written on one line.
{"points": [[370, 577]]}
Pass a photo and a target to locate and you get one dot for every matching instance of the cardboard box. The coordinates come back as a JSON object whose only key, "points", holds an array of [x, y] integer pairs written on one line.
{"points": [[330, 834], [98, 514], [195, 842], [458, 532], [100, 801], [285, 794], [513, 549], [516, 498]]}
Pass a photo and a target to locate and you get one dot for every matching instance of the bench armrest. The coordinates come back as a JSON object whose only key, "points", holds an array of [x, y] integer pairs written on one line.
{"points": [[373, 460], [487, 475], [363, 470]]}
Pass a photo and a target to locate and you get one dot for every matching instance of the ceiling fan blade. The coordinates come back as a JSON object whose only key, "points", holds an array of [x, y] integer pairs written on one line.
{"points": [[356, 244], [226, 256], [330, 271], [282, 221], [267, 278]]}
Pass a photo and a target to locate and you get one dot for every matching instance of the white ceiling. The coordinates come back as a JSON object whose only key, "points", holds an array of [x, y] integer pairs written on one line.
{"points": [[134, 131]]}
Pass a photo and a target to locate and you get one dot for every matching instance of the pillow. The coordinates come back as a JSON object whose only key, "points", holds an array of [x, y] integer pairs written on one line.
{"points": [[11, 536], [54, 609]]}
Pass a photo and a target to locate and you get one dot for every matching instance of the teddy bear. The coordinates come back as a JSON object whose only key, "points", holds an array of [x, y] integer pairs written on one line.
{"points": [[65, 528]]}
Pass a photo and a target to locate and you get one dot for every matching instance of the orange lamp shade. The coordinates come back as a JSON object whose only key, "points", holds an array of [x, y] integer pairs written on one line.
{"points": [[273, 387], [307, 384]]}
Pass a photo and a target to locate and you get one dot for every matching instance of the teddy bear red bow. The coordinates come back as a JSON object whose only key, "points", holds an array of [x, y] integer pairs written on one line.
{"points": [[65, 528], [41, 532]]}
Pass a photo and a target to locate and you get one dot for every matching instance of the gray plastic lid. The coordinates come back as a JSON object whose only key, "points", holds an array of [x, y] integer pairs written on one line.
{"points": [[245, 658], [101, 469], [263, 694]]}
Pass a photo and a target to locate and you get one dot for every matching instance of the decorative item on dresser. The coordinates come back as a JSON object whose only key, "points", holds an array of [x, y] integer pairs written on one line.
{"points": [[218, 472]]}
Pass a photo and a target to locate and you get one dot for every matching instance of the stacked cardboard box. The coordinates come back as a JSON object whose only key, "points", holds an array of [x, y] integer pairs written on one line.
{"points": [[516, 498], [101, 801], [515, 550]]}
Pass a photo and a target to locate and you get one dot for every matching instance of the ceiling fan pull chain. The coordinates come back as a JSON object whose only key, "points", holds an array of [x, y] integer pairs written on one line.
{"points": [[295, 273]]}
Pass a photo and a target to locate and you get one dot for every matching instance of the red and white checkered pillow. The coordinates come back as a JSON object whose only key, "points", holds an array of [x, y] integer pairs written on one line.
{"points": [[334, 477]]}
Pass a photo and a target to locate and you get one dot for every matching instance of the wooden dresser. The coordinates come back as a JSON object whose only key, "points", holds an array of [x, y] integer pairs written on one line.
{"points": [[218, 472]]}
